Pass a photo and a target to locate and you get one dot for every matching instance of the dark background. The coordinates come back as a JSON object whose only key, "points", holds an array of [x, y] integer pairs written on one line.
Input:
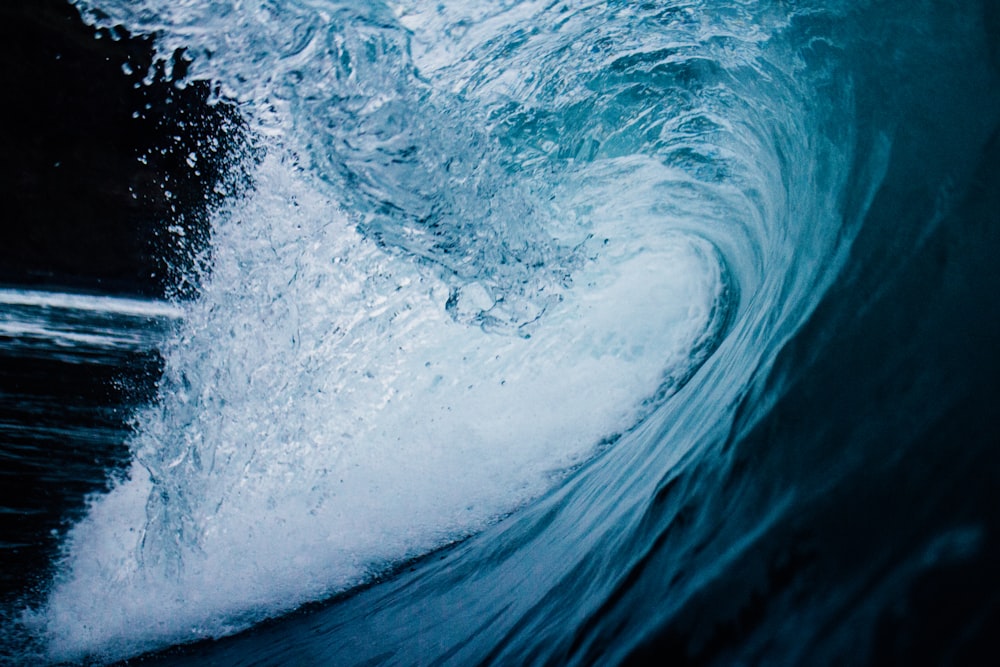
{"points": [[94, 161]]}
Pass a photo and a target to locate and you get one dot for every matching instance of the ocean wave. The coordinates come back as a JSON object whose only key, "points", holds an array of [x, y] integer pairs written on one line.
{"points": [[527, 272]]}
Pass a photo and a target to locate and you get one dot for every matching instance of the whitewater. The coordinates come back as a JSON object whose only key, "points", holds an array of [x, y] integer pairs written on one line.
{"points": [[509, 287]]}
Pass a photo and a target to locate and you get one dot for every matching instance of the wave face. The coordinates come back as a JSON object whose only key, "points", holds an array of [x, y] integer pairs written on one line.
{"points": [[538, 273]]}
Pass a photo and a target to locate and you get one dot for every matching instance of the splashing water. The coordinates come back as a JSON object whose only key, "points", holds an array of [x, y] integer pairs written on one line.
{"points": [[635, 307], [483, 243]]}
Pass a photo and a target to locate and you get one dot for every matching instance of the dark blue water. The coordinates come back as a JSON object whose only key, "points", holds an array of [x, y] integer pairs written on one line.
{"points": [[547, 333]]}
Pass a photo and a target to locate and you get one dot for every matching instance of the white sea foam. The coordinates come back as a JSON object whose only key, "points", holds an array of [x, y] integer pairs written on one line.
{"points": [[357, 386], [323, 415]]}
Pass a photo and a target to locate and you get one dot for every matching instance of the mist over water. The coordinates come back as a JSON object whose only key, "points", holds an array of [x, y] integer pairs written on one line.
{"points": [[526, 281]]}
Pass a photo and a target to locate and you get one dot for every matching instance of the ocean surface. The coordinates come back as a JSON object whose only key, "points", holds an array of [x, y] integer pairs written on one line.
{"points": [[525, 332]]}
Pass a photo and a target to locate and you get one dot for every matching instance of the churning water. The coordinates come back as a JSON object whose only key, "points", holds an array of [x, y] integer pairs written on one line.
{"points": [[618, 309]]}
